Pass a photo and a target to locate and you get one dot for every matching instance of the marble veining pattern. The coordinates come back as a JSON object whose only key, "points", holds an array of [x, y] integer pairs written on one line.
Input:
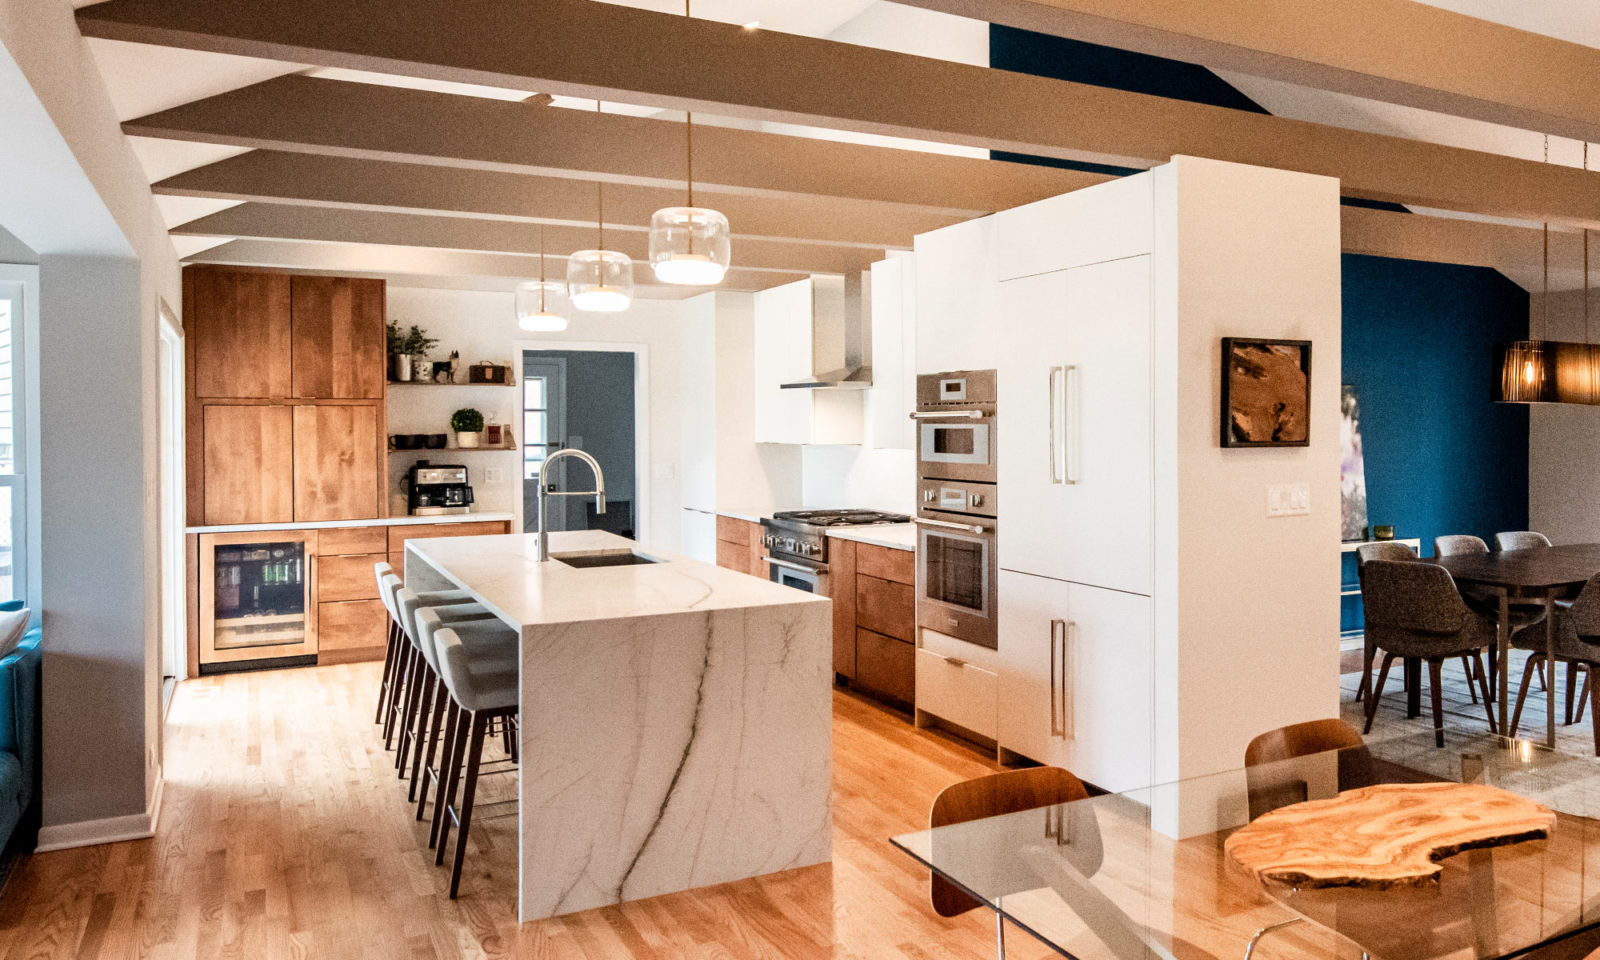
{"points": [[683, 740]]}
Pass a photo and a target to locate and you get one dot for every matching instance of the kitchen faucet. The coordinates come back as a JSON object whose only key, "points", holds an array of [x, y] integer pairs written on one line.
{"points": [[599, 492]]}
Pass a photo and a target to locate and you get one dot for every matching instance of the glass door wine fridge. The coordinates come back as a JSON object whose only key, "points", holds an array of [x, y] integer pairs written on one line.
{"points": [[257, 597]]}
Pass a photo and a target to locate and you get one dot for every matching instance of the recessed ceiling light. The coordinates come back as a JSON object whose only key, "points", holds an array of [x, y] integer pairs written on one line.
{"points": [[753, 25]]}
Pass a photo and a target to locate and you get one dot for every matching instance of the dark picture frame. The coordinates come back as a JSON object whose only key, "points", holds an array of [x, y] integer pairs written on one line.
{"points": [[1266, 392]]}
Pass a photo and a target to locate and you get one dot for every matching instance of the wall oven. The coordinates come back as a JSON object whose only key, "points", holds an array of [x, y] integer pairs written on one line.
{"points": [[957, 574], [956, 425]]}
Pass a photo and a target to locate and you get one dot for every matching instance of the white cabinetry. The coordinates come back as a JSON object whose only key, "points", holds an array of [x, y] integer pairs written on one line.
{"points": [[894, 359], [1106, 222], [1076, 678], [955, 297], [1074, 382], [783, 354]]}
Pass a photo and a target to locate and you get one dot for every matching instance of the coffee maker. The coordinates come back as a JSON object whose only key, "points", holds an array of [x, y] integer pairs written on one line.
{"points": [[436, 489]]}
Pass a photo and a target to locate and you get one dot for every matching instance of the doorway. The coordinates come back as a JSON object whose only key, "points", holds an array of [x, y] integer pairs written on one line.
{"points": [[174, 624], [586, 400]]}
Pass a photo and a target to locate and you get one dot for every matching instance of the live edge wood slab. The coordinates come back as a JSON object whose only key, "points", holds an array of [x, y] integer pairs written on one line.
{"points": [[1388, 835]]}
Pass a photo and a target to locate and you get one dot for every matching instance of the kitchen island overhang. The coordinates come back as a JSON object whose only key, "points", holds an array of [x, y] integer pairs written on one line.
{"points": [[676, 717]]}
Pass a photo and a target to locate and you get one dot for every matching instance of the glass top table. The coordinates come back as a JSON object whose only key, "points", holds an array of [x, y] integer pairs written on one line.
{"points": [[1142, 874]]}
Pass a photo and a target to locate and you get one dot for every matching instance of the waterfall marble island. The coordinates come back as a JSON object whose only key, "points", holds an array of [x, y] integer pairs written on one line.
{"points": [[676, 716]]}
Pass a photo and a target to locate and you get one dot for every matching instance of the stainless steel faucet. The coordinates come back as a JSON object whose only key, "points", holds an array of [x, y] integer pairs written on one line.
{"points": [[599, 492]]}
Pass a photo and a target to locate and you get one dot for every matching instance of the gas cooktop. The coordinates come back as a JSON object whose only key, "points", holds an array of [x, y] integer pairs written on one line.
{"points": [[839, 518]]}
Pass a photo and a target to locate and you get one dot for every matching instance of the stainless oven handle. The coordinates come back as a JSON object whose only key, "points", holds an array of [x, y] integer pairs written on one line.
{"points": [[947, 525], [791, 566], [949, 415]]}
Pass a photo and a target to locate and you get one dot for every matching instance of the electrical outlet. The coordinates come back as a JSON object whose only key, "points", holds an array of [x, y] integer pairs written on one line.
{"points": [[493, 474], [1289, 500]]}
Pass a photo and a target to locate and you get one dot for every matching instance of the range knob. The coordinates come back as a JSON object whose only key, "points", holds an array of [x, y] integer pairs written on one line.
{"points": [[977, 499], [788, 544], [807, 549]]}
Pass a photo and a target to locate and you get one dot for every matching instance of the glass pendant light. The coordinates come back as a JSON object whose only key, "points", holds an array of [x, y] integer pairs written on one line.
{"points": [[533, 300], [600, 280], [1527, 367], [689, 245]]}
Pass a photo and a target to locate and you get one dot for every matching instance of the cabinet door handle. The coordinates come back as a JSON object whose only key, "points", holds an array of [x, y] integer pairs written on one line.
{"points": [[1058, 447], [1071, 427], [1068, 729], [1055, 666]]}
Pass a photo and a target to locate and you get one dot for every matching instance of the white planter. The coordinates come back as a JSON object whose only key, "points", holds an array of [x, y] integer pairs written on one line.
{"points": [[400, 367], [467, 441]]}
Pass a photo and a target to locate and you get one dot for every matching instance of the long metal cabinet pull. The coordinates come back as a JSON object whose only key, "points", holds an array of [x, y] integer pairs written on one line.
{"points": [[1055, 725], [1058, 447], [1070, 428], [1068, 728]]}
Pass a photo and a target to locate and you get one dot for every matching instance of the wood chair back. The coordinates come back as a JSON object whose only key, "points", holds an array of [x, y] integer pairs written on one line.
{"points": [[1268, 793], [995, 795]]}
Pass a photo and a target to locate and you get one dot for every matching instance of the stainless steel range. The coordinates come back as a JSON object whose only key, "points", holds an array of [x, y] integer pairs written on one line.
{"points": [[797, 543]]}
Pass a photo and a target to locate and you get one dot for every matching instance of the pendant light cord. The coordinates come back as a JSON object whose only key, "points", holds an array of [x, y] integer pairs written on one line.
{"points": [[688, 139], [541, 268], [1546, 295], [1586, 256], [600, 209]]}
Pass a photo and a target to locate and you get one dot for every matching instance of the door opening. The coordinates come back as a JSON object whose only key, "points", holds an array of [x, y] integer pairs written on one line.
{"points": [[174, 623], [586, 399]]}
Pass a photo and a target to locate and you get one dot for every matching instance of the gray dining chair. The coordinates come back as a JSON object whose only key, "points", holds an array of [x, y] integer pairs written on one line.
{"points": [[1389, 550], [1520, 540], [1577, 645], [1459, 545], [1414, 610]]}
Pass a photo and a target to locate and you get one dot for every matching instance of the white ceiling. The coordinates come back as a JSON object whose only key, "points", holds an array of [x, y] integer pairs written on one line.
{"points": [[1574, 20]]}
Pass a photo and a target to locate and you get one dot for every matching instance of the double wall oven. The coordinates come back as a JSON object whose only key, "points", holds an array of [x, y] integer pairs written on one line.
{"points": [[957, 502]]}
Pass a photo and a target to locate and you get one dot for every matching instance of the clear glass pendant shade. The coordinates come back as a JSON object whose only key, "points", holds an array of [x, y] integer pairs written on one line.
{"points": [[600, 281], [536, 306], [689, 246]]}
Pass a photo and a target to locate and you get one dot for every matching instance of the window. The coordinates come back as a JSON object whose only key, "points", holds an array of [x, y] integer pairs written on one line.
{"points": [[535, 425], [13, 477]]}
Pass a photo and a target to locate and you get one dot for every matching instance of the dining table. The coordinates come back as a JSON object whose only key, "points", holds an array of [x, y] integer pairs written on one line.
{"points": [[1541, 576], [1147, 874]]}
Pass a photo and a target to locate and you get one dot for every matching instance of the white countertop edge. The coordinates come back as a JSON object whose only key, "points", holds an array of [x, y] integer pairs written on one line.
{"points": [[337, 524], [895, 536]]}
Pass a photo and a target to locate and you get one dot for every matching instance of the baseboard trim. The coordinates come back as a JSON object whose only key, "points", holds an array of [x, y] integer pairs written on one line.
{"points": [[88, 833]]}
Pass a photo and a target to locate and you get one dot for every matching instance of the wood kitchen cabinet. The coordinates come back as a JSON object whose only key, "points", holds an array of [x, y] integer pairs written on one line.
{"points": [[237, 329], [874, 619], [338, 471], [338, 338], [285, 389], [739, 546], [248, 463]]}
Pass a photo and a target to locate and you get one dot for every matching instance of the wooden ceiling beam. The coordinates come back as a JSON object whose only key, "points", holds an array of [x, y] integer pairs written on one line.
{"points": [[591, 49], [1396, 51], [358, 259], [269, 176], [366, 121], [265, 221]]}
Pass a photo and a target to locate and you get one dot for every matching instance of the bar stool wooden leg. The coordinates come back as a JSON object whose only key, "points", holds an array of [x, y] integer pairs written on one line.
{"points": [[454, 727], [480, 729], [403, 684], [427, 728], [390, 657], [421, 680], [453, 782], [423, 764]]}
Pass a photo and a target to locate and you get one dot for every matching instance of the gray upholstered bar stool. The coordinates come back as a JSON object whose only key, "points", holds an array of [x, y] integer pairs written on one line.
{"points": [[398, 656], [483, 689], [489, 644], [420, 678]]}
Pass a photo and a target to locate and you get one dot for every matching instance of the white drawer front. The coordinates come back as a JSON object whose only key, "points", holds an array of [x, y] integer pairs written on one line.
{"points": [[960, 692]]}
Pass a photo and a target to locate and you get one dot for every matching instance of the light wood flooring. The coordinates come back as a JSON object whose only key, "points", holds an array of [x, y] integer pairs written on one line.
{"points": [[286, 834]]}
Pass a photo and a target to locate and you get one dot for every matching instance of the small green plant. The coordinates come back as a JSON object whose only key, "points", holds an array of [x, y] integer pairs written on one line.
{"points": [[415, 341], [466, 420]]}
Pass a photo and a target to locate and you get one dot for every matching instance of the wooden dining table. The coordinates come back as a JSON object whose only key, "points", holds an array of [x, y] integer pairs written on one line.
{"points": [[1541, 575]]}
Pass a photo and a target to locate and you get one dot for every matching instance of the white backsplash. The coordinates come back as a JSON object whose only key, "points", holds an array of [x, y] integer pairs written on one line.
{"points": [[859, 477]]}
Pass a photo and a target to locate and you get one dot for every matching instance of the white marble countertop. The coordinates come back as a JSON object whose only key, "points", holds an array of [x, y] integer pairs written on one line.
{"points": [[335, 524], [504, 574], [895, 536]]}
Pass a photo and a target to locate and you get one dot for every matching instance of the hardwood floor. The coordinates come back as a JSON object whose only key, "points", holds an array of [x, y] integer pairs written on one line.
{"points": [[286, 834]]}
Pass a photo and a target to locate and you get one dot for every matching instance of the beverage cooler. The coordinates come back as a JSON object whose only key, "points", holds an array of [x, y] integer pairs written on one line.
{"points": [[257, 598]]}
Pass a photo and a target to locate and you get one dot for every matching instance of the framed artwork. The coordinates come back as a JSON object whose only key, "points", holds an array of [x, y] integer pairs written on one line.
{"points": [[1266, 392], [1352, 468]]}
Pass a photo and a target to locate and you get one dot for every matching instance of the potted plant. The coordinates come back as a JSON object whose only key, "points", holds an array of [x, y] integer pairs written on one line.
{"points": [[404, 348], [467, 423]]}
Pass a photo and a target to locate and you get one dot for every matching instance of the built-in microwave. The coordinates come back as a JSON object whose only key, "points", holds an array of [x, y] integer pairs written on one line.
{"points": [[956, 425]]}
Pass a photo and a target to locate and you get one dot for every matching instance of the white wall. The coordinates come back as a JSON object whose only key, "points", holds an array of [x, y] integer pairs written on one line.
{"points": [[1564, 439], [71, 189], [1247, 641]]}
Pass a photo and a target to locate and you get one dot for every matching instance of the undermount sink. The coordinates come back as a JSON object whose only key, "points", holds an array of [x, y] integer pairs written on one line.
{"points": [[619, 559]]}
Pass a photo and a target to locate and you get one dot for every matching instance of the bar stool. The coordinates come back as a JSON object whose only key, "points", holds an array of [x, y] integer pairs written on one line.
{"points": [[490, 645], [420, 678], [483, 689], [395, 655]]}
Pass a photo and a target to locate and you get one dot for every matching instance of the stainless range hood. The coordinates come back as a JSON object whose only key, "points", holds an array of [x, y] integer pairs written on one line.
{"points": [[841, 334]]}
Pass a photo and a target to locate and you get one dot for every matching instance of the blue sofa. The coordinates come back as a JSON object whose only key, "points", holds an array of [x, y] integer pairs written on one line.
{"points": [[19, 744]]}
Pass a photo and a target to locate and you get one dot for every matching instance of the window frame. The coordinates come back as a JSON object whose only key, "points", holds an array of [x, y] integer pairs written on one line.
{"points": [[21, 285]]}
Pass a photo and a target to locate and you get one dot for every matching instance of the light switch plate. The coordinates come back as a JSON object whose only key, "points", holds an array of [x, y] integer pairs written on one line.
{"points": [[1288, 500], [493, 474]]}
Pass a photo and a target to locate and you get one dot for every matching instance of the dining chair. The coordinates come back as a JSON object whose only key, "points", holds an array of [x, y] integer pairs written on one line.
{"points": [[1577, 645], [1390, 550], [1414, 610], [1270, 789], [1459, 545], [1011, 791], [1520, 540], [1484, 600]]}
